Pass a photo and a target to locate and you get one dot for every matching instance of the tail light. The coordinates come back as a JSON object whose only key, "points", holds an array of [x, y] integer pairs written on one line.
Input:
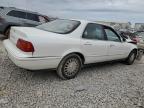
{"points": [[25, 45]]}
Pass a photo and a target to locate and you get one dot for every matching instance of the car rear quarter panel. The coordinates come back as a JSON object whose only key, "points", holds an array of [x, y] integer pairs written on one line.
{"points": [[48, 44], [56, 46]]}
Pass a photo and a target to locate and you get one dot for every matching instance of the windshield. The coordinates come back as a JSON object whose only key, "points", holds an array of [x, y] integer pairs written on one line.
{"points": [[60, 26]]}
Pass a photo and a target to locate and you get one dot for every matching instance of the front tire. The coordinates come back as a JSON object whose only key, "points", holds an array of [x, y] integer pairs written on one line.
{"points": [[131, 58], [69, 67]]}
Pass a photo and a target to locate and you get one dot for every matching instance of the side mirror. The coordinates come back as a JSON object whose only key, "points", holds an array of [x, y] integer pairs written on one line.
{"points": [[124, 40]]}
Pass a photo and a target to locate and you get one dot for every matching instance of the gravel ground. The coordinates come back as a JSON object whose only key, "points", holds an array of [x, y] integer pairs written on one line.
{"points": [[109, 85]]}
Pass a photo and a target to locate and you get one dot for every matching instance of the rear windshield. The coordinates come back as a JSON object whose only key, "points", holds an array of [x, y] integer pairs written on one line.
{"points": [[60, 26]]}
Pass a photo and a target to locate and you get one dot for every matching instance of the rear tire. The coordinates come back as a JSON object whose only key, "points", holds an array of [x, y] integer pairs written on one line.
{"points": [[131, 58], [69, 67]]}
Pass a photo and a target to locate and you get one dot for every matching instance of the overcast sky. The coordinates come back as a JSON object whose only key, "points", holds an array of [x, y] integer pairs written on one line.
{"points": [[111, 10]]}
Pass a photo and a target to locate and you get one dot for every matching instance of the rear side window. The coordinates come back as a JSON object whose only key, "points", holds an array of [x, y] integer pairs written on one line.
{"points": [[32, 17], [18, 14], [93, 31]]}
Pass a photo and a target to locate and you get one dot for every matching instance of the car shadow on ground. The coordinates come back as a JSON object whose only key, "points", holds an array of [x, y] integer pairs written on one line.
{"points": [[44, 74], [51, 74]]}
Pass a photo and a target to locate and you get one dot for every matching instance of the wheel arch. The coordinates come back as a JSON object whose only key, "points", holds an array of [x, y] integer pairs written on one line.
{"points": [[77, 53], [9, 27], [135, 50]]}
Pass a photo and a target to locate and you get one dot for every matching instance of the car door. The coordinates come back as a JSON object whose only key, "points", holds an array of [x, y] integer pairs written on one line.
{"points": [[93, 43], [32, 19], [117, 49]]}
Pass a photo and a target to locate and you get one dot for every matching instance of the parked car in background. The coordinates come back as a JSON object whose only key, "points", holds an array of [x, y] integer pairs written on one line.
{"points": [[66, 45], [10, 16], [126, 36], [140, 34], [134, 38]]}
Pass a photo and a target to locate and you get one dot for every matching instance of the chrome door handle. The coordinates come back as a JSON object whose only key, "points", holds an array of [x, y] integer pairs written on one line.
{"points": [[87, 43], [112, 45]]}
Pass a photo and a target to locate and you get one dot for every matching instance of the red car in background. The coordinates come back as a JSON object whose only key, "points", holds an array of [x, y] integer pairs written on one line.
{"points": [[135, 38]]}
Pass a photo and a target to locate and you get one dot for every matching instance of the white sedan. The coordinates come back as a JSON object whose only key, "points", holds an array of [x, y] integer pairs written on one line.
{"points": [[66, 45]]}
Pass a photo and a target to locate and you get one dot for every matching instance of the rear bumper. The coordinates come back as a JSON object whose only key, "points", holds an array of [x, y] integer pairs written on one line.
{"points": [[27, 62]]}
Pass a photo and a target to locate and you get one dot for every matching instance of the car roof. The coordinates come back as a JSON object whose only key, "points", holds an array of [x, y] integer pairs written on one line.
{"points": [[7, 9], [88, 21]]}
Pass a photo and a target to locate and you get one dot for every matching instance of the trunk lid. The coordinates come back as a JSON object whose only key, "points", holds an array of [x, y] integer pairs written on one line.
{"points": [[30, 34]]}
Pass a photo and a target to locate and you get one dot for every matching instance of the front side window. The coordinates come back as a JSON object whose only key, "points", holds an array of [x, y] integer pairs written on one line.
{"points": [[18, 14], [60, 26], [111, 35], [93, 31], [32, 17]]}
